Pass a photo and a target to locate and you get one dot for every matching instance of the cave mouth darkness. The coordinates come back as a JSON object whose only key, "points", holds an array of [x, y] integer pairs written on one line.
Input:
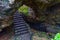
{"points": [[41, 25]]}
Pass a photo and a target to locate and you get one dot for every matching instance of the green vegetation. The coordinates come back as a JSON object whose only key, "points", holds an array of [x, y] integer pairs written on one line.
{"points": [[57, 37], [24, 9]]}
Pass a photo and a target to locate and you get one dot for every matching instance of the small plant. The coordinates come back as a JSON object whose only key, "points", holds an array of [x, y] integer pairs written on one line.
{"points": [[57, 37]]}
